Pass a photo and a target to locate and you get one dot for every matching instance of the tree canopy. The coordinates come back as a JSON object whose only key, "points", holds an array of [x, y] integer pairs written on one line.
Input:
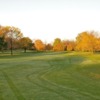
{"points": [[12, 38]]}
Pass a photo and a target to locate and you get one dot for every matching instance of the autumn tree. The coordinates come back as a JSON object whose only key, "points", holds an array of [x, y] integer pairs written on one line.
{"points": [[39, 45], [71, 45], [48, 46], [86, 41], [3, 31], [3, 43], [25, 43], [13, 34], [97, 44], [58, 45], [65, 44]]}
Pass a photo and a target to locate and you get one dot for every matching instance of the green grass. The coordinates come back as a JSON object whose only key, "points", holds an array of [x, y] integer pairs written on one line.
{"points": [[50, 76]]}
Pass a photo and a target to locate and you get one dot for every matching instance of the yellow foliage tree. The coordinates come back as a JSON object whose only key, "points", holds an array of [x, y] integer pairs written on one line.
{"points": [[58, 45], [86, 41]]}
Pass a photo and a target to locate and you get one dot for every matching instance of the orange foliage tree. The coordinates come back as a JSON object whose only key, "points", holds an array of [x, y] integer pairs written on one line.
{"points": [[39, 45], [87, 41], [69, 45], [97, 47]]}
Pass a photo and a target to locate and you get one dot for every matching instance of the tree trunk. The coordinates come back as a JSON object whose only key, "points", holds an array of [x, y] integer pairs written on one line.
{"points": [[24, 50], [11, 47]]}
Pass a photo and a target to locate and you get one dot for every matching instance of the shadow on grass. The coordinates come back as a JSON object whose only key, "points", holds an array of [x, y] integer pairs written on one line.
{"points": [[55, 57], [28, 53]]}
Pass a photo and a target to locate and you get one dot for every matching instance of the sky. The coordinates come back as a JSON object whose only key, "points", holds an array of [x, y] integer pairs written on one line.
{"points": [[50, 19]]}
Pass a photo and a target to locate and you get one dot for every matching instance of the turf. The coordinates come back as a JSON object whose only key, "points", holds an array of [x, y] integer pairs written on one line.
{"points": [[50, 76]]}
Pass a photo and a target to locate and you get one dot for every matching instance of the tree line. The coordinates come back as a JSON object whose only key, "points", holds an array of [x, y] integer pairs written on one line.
{"points": [[11, 38]]}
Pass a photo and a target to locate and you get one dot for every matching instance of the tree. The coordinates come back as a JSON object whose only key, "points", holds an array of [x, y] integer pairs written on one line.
{"points": [[58, 45], [48, 46], [39, 45], [97, 47], [86, 41], [3, 31], [25, 43], [65, 44], [69, 45], [13, 34], [3, 44]]}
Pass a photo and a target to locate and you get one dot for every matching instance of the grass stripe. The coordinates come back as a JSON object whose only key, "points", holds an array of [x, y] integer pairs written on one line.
{"points": [[13, 87]]}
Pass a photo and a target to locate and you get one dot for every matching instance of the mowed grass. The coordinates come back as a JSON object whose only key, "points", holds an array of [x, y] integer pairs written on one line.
{"points": [[50, 76]]}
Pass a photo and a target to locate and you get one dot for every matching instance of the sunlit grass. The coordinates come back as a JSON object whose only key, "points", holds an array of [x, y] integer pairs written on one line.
{"points": [[50, 76]]}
